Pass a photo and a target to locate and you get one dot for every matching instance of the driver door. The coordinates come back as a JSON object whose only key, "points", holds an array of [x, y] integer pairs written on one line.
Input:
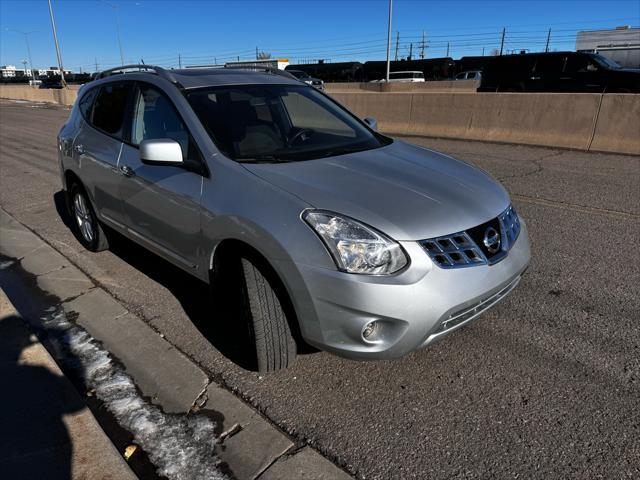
{"points": [[161, 203]]}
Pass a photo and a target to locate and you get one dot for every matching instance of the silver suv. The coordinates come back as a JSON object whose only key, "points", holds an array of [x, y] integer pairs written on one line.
{"points": [[320, 230]]}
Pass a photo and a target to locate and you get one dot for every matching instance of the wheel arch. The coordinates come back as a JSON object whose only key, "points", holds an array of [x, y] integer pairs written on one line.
{"points": [[71, 177], [230, 249]]}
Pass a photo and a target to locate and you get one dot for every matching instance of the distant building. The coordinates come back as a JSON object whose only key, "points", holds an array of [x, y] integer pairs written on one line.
{"points": [[7, 71], [10, 71], [621, 44]]}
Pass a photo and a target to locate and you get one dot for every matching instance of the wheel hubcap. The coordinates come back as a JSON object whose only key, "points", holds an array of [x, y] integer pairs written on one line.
{"points": [[83, 217]]}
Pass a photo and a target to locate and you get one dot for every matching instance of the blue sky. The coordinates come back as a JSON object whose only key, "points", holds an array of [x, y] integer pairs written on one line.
{"points": [[201, 31]]}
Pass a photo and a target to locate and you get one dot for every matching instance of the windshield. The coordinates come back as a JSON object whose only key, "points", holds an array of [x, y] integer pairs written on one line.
{"points": [[270, 123], [605, 62]]}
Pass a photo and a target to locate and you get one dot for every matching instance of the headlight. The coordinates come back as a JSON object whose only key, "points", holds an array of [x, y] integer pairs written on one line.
{"points": [[355, 247]]}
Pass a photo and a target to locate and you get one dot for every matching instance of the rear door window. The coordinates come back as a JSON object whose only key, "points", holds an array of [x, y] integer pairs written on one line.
{"points": [[110, 106], [550, 65]]}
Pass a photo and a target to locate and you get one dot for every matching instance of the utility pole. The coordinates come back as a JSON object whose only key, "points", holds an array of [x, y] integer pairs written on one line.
{"points": [[546, 49], [502, 41], [422, 47], [96, 64], [397, 42], [389, 40], [483, 51], [447, 50], [410, 51], [179, 61], [55, 39], [256, 53]]}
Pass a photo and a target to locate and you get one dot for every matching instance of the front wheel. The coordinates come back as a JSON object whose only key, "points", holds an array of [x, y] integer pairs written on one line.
{"points": [[275, 346], [87, 228]]}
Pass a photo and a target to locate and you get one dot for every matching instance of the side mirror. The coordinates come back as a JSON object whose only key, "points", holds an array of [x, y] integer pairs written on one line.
{"points": [[161, 151], [372, 122]]}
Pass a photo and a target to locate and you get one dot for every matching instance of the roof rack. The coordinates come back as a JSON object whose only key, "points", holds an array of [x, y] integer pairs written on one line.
{"points": [[161, 72], [274, 71]]}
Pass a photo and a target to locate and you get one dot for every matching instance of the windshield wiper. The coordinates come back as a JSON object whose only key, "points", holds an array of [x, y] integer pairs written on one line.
{"points": [[343, 151], [260, 159]]}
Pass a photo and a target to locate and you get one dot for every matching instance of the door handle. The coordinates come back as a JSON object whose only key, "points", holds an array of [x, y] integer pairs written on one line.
{"points": [[127, 171], [79, 148]]}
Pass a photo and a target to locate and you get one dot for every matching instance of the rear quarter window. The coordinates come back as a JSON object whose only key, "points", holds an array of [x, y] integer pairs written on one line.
{"points": [[109, 108], [86, 103]]}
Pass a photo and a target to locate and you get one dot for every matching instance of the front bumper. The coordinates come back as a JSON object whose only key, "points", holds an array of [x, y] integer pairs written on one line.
{"points": [[414, 308]]}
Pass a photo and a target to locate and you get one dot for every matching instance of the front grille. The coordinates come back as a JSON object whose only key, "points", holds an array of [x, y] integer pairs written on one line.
{"points": [[511, 224], [456, 250], [484, 244]]}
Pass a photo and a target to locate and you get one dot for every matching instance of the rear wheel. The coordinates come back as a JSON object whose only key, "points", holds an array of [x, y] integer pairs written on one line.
{"points": [[87, 228], [275, 346]]}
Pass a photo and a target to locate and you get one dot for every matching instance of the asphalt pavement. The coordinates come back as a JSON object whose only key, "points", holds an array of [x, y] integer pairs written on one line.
{"points": [[545, 385]]}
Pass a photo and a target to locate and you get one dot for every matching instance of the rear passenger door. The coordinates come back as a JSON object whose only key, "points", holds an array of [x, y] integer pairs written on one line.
{"points": [[161, 202], [97, 147], [546, 74]]}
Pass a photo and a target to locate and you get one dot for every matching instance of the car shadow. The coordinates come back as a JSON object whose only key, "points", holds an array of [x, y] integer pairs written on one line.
{"points": [[216, 318]]}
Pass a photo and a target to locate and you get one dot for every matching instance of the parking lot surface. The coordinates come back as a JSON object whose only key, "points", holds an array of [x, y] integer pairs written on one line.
{"points": [[545, 385]]}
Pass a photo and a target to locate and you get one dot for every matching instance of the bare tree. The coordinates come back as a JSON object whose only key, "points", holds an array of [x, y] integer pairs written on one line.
{"points": [[494, 52], [264, 55]]}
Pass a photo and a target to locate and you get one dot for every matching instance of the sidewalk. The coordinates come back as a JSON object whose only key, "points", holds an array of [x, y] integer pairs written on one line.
{"points": [[182, 397], [46, 430]]}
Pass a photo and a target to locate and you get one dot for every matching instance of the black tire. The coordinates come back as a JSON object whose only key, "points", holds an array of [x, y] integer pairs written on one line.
{"points": [[275, 347], [86, 226]]}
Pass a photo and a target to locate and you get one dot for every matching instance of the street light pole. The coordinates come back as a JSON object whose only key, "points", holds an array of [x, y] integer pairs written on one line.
{"points": [[55, 40], [115, 11], [389, 40], [26, 40]]}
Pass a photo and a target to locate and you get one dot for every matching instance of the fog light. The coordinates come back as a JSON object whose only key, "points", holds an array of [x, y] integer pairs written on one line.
{"points": [[370, 330]]}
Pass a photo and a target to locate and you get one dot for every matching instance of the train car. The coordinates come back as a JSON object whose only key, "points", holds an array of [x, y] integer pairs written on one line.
{"points": [[332, 72], [432, 68], [466, 64]]}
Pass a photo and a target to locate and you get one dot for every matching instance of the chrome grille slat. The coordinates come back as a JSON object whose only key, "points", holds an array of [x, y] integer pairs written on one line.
{"points": [[461, 316], [461, 250]]}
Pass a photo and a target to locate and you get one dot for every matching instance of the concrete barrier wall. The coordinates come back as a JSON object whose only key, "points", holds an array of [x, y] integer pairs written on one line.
{"points": [[430, 86], [65, 96], [584, 121], [581, 121], [617, 127]]}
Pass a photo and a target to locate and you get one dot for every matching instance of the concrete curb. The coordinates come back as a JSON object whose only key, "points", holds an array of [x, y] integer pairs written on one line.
{"points": [[252, 447], [92, 455]]}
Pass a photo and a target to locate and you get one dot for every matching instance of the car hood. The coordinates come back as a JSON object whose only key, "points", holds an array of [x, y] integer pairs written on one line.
{"points": [[405, 191]]}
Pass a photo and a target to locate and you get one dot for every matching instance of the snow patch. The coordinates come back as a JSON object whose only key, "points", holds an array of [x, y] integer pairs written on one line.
{"points": [[180, 446]]}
